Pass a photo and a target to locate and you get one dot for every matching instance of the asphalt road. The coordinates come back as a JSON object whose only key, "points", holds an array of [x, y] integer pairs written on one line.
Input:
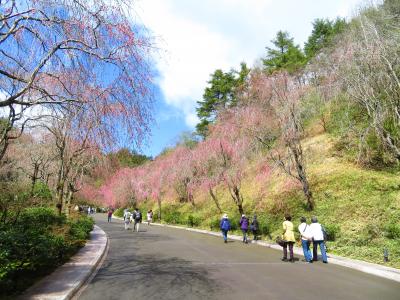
{"points": [[166, 263]]}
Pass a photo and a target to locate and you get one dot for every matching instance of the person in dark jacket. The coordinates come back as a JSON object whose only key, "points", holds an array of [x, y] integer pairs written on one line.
{"points": [[137, 219], [225, 226], [254, 226], [244, 225]]}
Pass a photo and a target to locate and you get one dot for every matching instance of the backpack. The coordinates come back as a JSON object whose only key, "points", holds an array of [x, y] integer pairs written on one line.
{"points": [[138, 216], [324, 233], [225, 225]]}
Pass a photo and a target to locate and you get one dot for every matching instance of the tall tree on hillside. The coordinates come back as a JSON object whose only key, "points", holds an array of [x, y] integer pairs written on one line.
{"points": [[279, 125], [220, 94], [322, 35], [285, 55]]}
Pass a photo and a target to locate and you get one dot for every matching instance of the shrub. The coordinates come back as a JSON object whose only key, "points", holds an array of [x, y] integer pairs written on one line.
{"points": [[264, 226], [214, 223], [37, 243], [193, 220], [119, 212], [392, 230], [174, 217], [41, 190], [80, 229], [332, 231], [39, 218]]}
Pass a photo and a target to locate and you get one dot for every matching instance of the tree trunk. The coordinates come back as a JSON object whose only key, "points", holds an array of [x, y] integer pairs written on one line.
{"points": [[34, 178], [67, 203], [302, 176], [191, 199], [240, 208], [215, 199], [159, 208], [237, 198]]}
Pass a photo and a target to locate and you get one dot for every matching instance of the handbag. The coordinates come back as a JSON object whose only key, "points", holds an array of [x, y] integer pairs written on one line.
{"points": [[280, 241]]}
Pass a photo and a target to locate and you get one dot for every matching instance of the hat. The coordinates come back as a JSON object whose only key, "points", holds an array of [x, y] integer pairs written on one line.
{"points": [[225, 216], [243, 215]]}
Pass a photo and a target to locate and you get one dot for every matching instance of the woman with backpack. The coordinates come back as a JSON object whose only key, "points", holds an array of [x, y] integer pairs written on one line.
{"points": [[288, 237], [244, 226], [318, 238], [225, 226]]}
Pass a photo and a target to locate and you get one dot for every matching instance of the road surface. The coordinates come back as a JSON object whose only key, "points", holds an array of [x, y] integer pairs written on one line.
{"points": [[167, 263]]}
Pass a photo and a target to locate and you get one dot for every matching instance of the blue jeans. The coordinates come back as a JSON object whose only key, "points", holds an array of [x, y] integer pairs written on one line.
{"points": [[225, 235], [306, 249], [323, 250]]}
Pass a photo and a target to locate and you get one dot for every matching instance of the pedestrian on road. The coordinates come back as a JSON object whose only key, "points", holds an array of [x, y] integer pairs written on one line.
{"points": [[109, 214], [317, 233], [149, 217], [254, 227], [125, 211], [305, 233], [225, 226], [127, 219], [89, 210], [137, 219], [288, 237], [244, 225]]}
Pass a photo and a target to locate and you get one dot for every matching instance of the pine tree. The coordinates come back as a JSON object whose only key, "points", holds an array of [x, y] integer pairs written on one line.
{"points": [[221, 93], [322, 35], [284, 56]]}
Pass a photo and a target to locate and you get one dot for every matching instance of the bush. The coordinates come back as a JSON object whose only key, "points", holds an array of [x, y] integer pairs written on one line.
{"points": [[37, 243], [332, 231], [392, 230], [41, 190], [174, 217], [264, 227], [119, 212], [193, 220], [80, 229], [214, 223], [39, 218]]}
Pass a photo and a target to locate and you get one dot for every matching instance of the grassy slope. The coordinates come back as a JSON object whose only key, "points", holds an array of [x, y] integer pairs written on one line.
{"points": [[357, 201]]}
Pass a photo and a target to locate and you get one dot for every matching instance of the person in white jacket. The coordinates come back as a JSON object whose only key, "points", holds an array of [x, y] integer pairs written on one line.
{"points": [[318, 239], [306, 238]]}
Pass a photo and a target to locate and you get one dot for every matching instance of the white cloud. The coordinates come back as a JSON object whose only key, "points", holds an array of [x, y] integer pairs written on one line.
{"points": [[201, 36]]}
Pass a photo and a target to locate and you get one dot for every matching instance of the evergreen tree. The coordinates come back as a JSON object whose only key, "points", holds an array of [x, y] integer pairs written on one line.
{"points": [[284, 56], [221, 93], [322, 35]]}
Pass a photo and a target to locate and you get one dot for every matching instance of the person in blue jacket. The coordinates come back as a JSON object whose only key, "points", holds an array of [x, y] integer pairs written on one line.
{"points": [[225, 226]]}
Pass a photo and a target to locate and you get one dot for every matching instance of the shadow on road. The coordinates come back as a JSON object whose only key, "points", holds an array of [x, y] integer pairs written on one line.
{"points": [[175, 278]]}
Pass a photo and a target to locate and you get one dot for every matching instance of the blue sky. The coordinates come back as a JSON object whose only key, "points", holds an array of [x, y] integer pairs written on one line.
{"points": [[195, 37]]}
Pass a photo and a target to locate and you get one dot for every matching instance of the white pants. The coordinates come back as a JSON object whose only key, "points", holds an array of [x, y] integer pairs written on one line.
{"points": [[126, 226], [136, 225]]}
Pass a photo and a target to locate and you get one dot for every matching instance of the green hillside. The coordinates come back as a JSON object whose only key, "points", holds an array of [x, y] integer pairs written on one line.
{"points": [[359, 207]]}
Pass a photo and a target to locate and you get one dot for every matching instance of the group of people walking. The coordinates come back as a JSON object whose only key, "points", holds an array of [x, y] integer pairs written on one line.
{"points": [[136, 218], [245, 226], [310, 233]]}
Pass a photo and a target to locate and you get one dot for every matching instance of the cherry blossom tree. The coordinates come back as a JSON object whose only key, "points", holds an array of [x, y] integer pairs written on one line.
{"points": [[48, 46]]}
